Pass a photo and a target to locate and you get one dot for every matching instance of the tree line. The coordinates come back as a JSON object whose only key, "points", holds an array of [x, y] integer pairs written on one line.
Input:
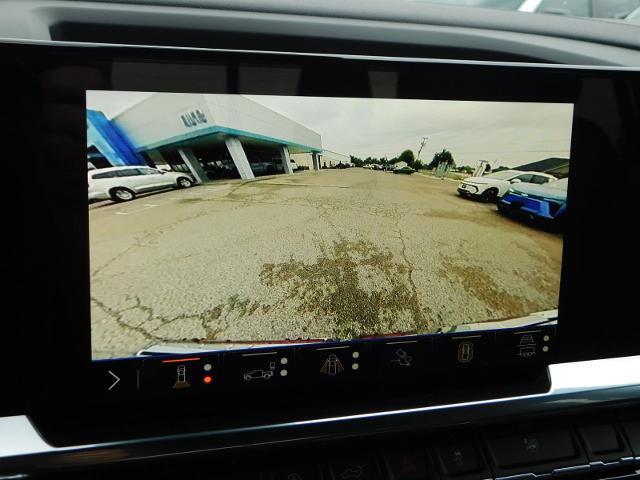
{"points": [[409, 158]]}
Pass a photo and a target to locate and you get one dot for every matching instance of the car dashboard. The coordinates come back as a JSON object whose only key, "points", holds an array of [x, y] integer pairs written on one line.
{"points": [[577, 417], [581, 407]]}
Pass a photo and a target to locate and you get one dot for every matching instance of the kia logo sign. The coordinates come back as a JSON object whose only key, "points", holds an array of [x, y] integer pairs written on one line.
{"points": [[193, 118]]}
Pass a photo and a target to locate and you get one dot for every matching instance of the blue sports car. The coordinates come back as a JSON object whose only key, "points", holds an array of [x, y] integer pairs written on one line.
{"points": [[546, 204]]}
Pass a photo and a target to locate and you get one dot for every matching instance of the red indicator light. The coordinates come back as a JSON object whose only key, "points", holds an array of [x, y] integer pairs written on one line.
{"points": [[180, 360], [207, 379]]}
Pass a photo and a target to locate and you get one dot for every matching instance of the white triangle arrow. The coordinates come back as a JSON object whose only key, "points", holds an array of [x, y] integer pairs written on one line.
{"points": [[114, 376]]}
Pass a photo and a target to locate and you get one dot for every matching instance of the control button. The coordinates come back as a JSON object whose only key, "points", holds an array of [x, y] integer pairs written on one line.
{"points": [[116, 377], [116, 380], [333, 362], [355, 469], [527, 344], [458, 459], [520, 450], [632, 430], [404, 355], [631, 476], [604, 443], [464, 350], [299, 472], [181, 374], [408, 465], [234, 475], [259, 368]]}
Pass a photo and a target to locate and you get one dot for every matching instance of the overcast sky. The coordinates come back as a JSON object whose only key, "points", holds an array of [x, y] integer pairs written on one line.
{"points": [[112, 103], [508, 134]]}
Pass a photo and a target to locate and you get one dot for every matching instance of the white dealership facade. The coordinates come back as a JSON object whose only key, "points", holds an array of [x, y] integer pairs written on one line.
{"points": [[208, 134]]}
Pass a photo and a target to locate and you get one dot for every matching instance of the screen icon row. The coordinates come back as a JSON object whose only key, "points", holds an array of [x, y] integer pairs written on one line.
{"points": [[318, 363]]}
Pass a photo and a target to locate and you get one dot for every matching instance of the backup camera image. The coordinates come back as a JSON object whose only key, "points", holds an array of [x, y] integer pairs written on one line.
{"points": [[230, 221]]}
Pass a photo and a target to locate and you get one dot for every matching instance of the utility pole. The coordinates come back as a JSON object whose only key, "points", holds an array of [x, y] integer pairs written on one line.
{"points": [[424, 140]]}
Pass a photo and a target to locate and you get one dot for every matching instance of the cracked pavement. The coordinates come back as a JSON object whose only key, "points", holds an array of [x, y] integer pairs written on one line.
{"points": [[330, 254]]}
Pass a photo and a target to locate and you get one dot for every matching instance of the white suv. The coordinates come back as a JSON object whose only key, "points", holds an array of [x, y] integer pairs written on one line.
{"points": [[122, 184], [493, 186]]}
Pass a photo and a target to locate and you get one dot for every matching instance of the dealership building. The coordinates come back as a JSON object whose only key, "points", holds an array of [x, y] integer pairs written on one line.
{"points": [[210, 136]]}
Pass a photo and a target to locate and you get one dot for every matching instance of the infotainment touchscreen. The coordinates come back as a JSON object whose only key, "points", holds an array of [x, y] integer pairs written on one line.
{"points": [[222, 222]]}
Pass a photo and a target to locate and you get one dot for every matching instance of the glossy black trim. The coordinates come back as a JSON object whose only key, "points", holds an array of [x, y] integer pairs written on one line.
{"points": [[594, 314], [476, 414]]}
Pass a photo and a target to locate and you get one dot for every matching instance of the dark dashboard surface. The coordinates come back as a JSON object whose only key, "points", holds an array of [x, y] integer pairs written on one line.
{"points": [[378, 27], [583, 394], [328, 448]]}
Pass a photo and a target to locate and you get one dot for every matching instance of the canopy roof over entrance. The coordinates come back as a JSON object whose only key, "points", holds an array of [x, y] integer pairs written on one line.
{"points": [[165, 119]]}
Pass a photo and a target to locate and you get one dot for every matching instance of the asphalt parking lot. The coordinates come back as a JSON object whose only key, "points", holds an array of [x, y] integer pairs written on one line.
{"points": [[328, 254]]}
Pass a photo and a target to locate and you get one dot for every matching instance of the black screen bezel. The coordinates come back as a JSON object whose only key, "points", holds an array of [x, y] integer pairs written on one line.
{"points": [[47, 86]]}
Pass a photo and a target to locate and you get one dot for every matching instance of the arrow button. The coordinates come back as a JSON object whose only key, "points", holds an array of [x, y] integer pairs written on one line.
{"points": [[116, 378]]}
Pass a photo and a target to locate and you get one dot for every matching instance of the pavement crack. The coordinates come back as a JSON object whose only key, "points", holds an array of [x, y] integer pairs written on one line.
{"points": [[403, 253], [116, 315], [137, 243], [325, 215], [255, 261]]}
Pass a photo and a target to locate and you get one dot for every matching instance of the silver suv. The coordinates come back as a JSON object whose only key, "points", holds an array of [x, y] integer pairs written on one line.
{"points": [[122, 184]]}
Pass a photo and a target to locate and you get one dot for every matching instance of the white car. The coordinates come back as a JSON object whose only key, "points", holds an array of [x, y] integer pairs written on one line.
{"points": [[122, 184], [493, 186]]}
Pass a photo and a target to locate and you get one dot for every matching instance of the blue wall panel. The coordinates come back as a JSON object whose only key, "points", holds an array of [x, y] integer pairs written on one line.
{"points": [[110, 140]]}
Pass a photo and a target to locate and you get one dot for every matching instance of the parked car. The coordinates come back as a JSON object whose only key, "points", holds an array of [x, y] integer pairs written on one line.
{"points": [[546, 204], [273, 167], [407, 170], [122, 184], [341, 165], [263, 167], [493, 186]]}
